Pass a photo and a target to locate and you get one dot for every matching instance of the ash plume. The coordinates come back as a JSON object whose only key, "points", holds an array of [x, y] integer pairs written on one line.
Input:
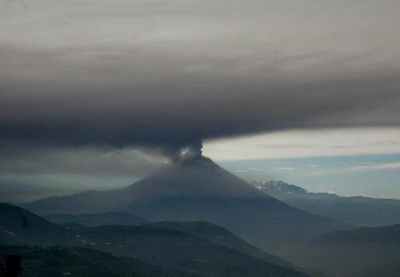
{"points": [[181, 153], [190, 152]]}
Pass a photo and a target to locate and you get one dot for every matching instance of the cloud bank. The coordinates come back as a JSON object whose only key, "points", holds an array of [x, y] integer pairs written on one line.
{"points": [[384, 166]]}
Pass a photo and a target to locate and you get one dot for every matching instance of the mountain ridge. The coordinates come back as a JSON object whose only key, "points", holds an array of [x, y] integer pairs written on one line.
{"points": [[200, 190], [156, 247], [359, 210]]}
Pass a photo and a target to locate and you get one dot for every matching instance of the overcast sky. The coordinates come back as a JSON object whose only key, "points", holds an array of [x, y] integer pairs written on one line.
{"points": [[114, 88]]}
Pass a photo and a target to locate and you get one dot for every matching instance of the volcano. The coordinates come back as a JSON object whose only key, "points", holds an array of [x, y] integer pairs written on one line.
{"points": [[199, 189]]}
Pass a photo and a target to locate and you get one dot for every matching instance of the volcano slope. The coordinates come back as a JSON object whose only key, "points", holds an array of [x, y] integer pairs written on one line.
{"points": [[199, 189]]}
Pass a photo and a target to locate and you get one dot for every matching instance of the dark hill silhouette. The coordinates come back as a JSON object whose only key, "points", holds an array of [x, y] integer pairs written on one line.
{"points": [[19, 226], [199, 189], [163, 248], [385, 269], [222, 236], [93, 220], [81, 262], [179, 251]]}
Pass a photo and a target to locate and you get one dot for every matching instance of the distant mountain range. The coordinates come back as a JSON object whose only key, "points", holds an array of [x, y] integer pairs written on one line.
{"points": [[184, 249], [200, 190], [160, 249], [356, 210]]}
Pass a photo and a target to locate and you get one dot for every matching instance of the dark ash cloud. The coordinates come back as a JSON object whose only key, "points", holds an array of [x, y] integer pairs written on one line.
{"points": [[165, 76], [170, 115]]}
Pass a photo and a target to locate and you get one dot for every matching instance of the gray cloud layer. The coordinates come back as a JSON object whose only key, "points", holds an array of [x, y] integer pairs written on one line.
{"points": [[165, 74]]}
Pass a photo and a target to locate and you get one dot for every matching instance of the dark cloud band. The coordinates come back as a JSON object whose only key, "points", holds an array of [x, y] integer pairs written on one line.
{"points": [[171, 116]]}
